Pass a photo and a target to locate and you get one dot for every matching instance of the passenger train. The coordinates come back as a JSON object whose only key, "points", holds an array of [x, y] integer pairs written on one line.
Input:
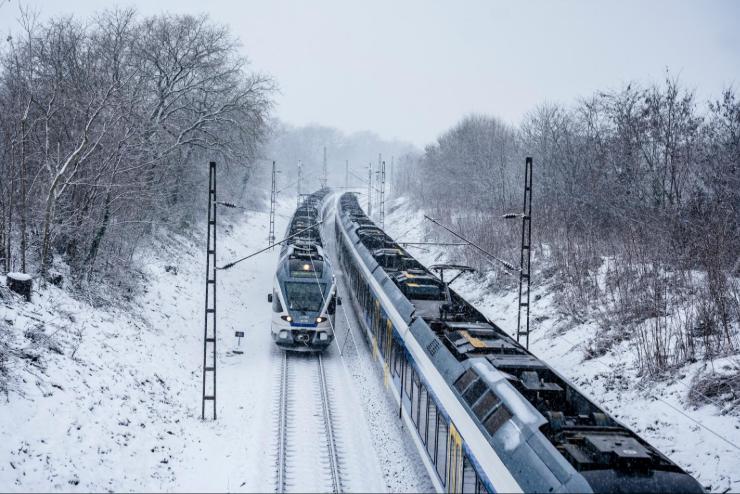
{"points": [[304, 291], [486, 414]]}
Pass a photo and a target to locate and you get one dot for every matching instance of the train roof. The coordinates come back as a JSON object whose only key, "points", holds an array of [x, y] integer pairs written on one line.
{"points": [[303, 228]]}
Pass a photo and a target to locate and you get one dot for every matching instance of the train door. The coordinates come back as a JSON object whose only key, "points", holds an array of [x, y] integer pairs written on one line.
{"points": [[455, 461]]}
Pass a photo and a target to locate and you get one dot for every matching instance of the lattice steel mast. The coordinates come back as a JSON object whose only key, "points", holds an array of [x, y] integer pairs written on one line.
{"points": [[209, 334]]}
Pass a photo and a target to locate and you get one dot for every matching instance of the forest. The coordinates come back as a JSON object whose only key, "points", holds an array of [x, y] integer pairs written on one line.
{"points": [[107, 125], [636, 209]]}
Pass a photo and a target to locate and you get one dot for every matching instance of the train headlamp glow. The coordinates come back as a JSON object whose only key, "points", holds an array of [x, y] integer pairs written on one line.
{"points": [[306, 267], [286, 318], [320, 319]]}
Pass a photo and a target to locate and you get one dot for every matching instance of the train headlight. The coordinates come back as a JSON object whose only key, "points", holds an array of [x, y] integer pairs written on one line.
{"points": [[283, 334], [320, 319], [323, 336], [286, 318]]}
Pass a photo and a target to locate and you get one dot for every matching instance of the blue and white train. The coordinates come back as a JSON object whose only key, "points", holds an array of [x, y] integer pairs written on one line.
{"points": [[304, 291], [487, 415]]}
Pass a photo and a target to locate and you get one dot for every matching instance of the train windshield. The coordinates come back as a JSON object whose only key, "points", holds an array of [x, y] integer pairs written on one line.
{"points": [[305, 297]]}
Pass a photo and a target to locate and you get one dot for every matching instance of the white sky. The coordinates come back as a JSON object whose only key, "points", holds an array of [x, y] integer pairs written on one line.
{"points": [[411, 69]]}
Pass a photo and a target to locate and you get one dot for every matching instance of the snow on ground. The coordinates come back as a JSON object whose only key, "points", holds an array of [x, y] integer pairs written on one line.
{"points": [[702, 441], [109, 398]]}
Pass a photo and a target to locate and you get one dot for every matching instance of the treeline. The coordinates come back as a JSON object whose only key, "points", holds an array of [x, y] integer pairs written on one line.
{"points": [[106, 128], [288, 144], [636, 211]]}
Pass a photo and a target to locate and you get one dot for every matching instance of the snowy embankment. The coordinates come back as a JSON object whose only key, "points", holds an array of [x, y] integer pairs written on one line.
{"points": [[109, 397], [704, 440]]}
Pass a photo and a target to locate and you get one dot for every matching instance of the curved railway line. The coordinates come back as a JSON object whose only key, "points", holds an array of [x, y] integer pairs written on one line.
{"points": [[308, 457]]}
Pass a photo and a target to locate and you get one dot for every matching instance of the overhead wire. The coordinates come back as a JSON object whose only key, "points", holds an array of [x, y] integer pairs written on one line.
{"points": [[232, 264]]}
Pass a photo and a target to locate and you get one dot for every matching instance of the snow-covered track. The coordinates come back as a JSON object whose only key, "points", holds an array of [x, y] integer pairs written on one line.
{"points": [[308, 456], [282, 425], [331, 445]]}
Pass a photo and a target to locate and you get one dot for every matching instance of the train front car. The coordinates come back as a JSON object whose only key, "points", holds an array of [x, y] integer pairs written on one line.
{"points": [[486, 414], [304, 296]]}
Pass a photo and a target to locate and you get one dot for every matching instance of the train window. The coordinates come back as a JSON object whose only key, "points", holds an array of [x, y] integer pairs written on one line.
{"points": [[389, 330], [442, 434], [415, 401], [305, 296], [417, 397], [479, 487], [463, 381], [307, 268], [475, 391], [485, 404], [276, 305], [407, 379], [470, 479], [497, 419], [432, 430], [423, 410]]}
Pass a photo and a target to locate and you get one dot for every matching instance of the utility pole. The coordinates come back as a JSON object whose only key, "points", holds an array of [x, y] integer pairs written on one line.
{"points": [[382, 195], [524, 267], [300, 179], [369, 189], [393, 177], [209, 334], [273, 201], [346, 174], [324, 179]]}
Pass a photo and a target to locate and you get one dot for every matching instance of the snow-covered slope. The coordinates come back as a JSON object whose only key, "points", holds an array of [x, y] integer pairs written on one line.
{"points": [[109, 398], [703, 441]]}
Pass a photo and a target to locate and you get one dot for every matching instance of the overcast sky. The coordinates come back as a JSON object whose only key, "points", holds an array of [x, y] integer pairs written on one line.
{"points": [[411, 69]]}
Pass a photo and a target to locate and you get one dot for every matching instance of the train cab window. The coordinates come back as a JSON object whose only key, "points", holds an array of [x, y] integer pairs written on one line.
{"points": [[442, 435], [485, 404], [276, 305], [305, 296], [464, 381], [494, 422]]}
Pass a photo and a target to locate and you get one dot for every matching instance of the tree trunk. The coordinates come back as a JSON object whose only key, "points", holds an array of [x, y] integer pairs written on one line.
{"points": [[23, 195], [48, 214], [92, 254], [11, 195]]}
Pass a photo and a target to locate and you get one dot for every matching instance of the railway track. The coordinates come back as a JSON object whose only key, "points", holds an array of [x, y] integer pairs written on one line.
{"points": [[307, 447]]}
